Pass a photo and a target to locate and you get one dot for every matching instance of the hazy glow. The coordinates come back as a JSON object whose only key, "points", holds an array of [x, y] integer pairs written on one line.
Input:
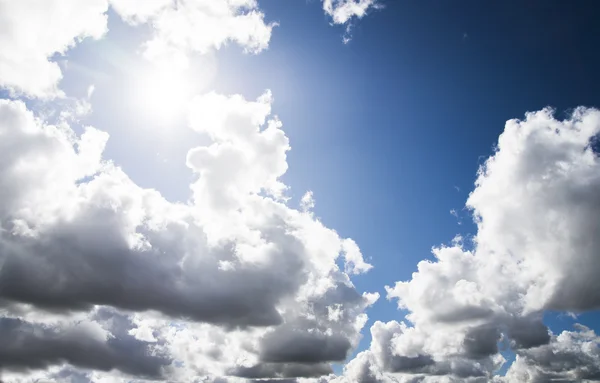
{"points": [[163, 93]]}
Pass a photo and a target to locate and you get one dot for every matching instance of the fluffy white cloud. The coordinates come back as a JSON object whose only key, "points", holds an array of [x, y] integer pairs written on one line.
{"points": [[235, 284], [35, 30], [243, 159], [135, 11], [342, 11], [536, 206], [197, 26]]}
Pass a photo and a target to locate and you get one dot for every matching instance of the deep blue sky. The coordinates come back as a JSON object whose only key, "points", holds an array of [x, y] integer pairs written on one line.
{"points": [[387, 131]]}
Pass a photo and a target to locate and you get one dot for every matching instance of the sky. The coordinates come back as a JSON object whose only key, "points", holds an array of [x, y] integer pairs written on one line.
{"points": [[308, 191]]}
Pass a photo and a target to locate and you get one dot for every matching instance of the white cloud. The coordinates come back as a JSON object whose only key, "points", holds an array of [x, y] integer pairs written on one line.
{"points": [[536, 207], [244, 159], [137, 12], [80, 240], [35, 30], [197, 26], [307, 202], [342, 11]]}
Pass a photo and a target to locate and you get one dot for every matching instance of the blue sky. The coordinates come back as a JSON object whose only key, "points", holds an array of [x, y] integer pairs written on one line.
{"points": [[388, 131]]}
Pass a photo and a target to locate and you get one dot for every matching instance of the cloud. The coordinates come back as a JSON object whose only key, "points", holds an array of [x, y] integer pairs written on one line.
{"points": [[398, 354], [36, 31], [233, 283], [197, 26], [180, 288], [84, 344], [342, 11], [275, 372], [138, 12], [536, 206], [290, 345], [546, 223], [33, 31], [571, 356]]}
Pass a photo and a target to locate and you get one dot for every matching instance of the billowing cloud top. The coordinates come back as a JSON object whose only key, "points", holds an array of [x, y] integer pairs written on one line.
{"points": [[81, 241], [36, 30], [536, 207]]}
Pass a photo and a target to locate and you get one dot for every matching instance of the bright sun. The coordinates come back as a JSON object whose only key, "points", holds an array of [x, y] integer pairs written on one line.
{"points": [[161, 90], [163, 93]]}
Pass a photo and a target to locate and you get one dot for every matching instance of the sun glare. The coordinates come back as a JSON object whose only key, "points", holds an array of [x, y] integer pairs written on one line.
{"points": [[163, 94]]}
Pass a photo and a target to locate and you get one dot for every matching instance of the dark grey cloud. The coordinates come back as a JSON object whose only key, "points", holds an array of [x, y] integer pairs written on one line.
{"points": [[285, 345], [464, 314], [460, 368], [416, 364], [572, 355], [281, 370], [95, 265], [528, 332], [28, 346], [72, 375], [481, 341]]}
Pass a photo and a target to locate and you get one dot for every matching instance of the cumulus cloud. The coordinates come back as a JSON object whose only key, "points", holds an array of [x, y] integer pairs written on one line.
{"points": [[29, 345], [35, 30], [233, 283], [536, 207], [197, 26], [138, 12], [572, 356], [344, 11]]}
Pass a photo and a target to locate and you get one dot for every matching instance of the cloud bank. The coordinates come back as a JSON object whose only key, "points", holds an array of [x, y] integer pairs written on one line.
{"points": [[236, 283], [536, 206]]}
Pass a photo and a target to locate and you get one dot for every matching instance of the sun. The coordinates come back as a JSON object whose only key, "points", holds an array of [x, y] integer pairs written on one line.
{"points": [[160, 91], [163, 93]]}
